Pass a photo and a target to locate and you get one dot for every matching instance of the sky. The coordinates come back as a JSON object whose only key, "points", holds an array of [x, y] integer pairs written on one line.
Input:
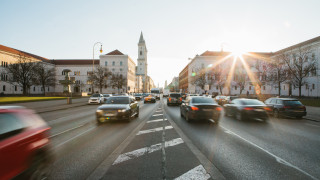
{"points": [[174, 30]]}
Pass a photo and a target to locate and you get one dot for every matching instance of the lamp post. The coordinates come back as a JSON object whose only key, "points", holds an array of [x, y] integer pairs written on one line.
{"points": [[93, 60]]}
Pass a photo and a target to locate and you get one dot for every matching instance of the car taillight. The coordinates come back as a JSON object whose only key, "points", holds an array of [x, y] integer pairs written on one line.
{"points": [[194, 108], [169, 99], [219, 108], [267, 109], [303, 107], [180, 99], [248, 108]]}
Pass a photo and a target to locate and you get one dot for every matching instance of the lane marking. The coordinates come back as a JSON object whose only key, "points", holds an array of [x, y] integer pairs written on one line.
{"points": [[278, 159], [198, 173], [314, 125], [67, 130], [145, 150], [155, 115], [157, 120], [75, 137], [153, 130]]}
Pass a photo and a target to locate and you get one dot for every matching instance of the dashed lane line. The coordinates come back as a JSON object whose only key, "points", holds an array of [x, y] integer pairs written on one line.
{"points": [[145, 150], [156, 120], [75, 137], [278, 159], [153, 130], [198, 173], [156, 115]]}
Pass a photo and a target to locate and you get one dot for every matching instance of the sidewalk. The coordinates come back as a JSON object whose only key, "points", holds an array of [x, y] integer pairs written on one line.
{"points": [[313, 113], [52, 105]]}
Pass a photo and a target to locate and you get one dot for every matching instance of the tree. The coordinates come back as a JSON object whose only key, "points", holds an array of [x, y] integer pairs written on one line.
{"points": [[241, 80], [118, 81], [300, 66], [22, 72], [199, 79], [44, 75], [100, 77], [218, 78]]}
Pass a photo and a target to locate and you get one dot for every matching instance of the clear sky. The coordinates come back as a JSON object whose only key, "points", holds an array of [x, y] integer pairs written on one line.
{"points": [[174, 30]]}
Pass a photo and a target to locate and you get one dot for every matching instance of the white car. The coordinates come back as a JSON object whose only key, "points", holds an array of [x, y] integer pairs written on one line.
{"points": [[96, 99]]}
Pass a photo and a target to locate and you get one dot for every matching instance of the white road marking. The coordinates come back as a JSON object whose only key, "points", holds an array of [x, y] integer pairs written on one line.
{"points": [[278, 159], [67, 130], [198, 173], [153, 130], [161, 114], [312, 125], [145, 150], [74, 137], [157, 120]]}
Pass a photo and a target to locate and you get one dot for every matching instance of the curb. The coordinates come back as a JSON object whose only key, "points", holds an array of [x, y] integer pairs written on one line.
{"points": [[309, 119]]}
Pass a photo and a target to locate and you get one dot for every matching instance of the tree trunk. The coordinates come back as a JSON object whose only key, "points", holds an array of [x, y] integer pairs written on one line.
{"points": [[279, 90], [44, 89], [299, 89], [24, 87]]}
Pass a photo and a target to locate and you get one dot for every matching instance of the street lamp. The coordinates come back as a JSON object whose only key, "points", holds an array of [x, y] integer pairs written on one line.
{"points": [[93, 59]]}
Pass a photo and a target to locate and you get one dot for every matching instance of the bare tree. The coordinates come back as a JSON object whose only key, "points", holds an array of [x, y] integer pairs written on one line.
{"points": [[100, 77], [22, 72], [200, 78], [118, 81], [218, 78], [44, 75], [300, 66], [241, 80]]}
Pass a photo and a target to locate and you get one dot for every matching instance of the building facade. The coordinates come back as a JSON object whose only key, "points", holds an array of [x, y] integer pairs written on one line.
{"points": [[183, 79]]}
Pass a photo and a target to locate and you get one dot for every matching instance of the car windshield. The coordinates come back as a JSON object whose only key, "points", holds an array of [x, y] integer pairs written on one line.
{"points": [[118, 100], [175, 95], [137, 95], [95, 95], [292, 103], [106, 95], [252, 102], [203, 100]]}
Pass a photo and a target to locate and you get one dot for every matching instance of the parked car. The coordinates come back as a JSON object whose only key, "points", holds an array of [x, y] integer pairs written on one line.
{"points": [[138, 96], [121, 94], [24, 144], [174, 98], [243, 109], [117, 108], [219, 99], [228, 99], [106, 96], [149, 98], [199, 108], [289, 107], [96, 99]]}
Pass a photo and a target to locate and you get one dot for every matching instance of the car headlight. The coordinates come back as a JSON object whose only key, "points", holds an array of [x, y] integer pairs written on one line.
{"points": [[122, 110], [99, 111]]}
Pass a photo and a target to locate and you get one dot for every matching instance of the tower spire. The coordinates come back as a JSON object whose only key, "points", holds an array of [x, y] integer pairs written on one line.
{"points": [[141, 40]]}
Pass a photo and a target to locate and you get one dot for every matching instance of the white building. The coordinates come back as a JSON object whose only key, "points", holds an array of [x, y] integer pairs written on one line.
{"points": [[142, 67]]}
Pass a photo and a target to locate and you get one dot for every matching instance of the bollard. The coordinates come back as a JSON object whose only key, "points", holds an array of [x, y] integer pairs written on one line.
{"points": [[69, 100]]}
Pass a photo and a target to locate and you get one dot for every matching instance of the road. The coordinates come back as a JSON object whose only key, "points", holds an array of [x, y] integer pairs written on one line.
{"points": [[140, 149]]}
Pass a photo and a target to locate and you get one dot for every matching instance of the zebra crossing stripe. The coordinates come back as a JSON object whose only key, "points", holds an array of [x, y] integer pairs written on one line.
{"points": [[154, 130], [140, 152], [198, 173]]}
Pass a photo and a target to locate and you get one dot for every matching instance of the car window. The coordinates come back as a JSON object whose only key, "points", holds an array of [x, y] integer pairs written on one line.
{"points": [[95, 95], [252, 102], [175, 95], [202, 100], [292, 103], [10, 125], [273, 101], [106, 95], [279, 101], [118, 100]]}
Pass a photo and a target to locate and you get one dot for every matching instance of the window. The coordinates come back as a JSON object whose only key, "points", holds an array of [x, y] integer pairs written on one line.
{"points": [[15, 88], [307, 86], [34, 88], [112, 69], [10, 125], [249, 87], [217, 87], [106, 63], [284, 87], [120, 69], [264, 87], [4, 88], [120, 63], [313, 86], [77, 73], [113, 63], [236, 87], [140, 53]]}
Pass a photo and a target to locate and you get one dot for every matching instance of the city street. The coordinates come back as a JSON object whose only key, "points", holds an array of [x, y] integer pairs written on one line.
{"points": [[140, 149]]}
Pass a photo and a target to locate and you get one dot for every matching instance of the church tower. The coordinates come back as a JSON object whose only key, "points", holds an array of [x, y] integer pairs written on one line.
{"points": [[142, 68]]}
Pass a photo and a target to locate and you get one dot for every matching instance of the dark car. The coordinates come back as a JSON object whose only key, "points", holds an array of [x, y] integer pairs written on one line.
{"points": [[198, 108], [138, 97], [118, 108], [243, 109], [174, 98], [289, 107], [24, 144]]}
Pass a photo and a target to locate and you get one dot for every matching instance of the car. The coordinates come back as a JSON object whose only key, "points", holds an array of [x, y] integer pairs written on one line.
{"points": [[149, 98], [228, 99], [199, 108], [96, 99], [25, 151], [174, 98], [219, 99], [106, 96], [243, 109], [121, 94], [286, 107], [117, 108], [184, 96], [138, 96], [156, 93]]}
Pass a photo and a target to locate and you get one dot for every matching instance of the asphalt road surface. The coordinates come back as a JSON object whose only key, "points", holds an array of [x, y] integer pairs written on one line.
{"points": [[160, 144]]}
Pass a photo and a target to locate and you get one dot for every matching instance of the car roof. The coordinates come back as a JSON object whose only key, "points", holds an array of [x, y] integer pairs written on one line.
{"points": [[288, 99]]}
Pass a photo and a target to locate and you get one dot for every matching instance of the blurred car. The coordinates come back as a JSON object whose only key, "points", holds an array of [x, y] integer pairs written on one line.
{"points": [[228, 99], [121, 94], [206, 95], [198, 108], [219, 99], [24, 144], [192, 95], [184, 96], [96, 99], [149, 98], [106, 96], [288, 107], [174, 98], [138, 97], [117, 108], [243, 109]]}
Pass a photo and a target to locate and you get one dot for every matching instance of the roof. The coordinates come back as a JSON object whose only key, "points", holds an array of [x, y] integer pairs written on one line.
{"points": [[74, 61], [115, 52], [299, 44], [19, 52], [215, 53]]}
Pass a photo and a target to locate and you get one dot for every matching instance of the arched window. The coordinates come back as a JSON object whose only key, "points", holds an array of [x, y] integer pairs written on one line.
{"points": [[140, 53]]}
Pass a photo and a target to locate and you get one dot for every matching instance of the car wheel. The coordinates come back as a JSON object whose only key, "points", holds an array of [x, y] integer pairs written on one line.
{"points": [[181, 115], [239, 116], [276, 113], [137, 115], [188, 118], [39, 168]]}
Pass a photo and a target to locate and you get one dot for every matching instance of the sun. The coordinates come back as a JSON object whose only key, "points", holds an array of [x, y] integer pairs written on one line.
{"points": [[237, 53]]}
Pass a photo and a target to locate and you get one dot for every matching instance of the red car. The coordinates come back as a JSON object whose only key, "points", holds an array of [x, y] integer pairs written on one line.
{"points": [[24, 144]]}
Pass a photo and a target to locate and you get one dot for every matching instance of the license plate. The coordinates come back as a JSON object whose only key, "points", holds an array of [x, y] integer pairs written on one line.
{"points": [[108, 114], [259, 110], [207, 110]]}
